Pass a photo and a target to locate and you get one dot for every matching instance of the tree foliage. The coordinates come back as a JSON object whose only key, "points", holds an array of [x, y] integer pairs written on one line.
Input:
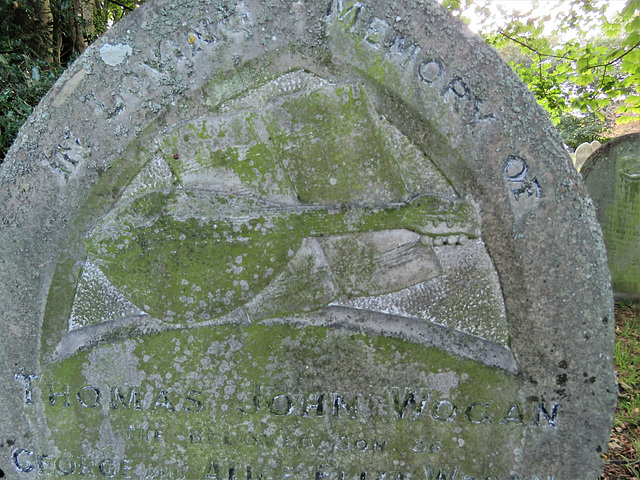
{"points": [[576, 130], [562, 61]]}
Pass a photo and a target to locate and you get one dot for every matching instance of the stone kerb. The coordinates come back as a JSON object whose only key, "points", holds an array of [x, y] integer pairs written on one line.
{"points": [[298, 239], [610, 175]]}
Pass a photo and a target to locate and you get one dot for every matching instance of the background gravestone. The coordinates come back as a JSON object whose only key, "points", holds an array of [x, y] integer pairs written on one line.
{"points": [[301, 239], [583, 152], [611, 175]]}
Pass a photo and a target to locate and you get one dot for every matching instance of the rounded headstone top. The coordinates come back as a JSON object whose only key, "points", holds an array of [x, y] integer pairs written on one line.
{"points": [[582, 153], [611, 175], [604, 152], [241, 237]]}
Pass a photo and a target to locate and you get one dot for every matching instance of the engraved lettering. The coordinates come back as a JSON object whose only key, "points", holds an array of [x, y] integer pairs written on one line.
{"points": [[127, 466], [478, 116], [349, 17], [444, 411], [85, 466], [163, 401], [514, 414], [361, 445], [21, 461], [406, 54], [443, 474], [418, 446], [320, 473], [478, 415], [342, 444], [118, 399], [516, 171], [250, 440], [459, 88], [108, 468], [194, 437], [541, 411], [197, 404], [54, 395], [142, 434], [43, 464], [318, 407], [197, 437], [376, 32], [339, 404], [379, 446], [431, 71], [401, 407], [213, 472], [65, 466], [281, 405], [89, 397], [255, 401], [530, 188], [26, 379]]}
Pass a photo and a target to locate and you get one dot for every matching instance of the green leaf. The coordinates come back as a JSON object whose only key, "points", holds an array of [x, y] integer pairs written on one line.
{"points": [[630, 8], [634, 25], [633, 39], [633, 101], [585, 79], [583, 63]]}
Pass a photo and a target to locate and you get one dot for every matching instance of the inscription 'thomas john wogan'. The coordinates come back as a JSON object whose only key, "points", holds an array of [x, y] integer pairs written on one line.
{"points": [[299, 241], [407, 405]]}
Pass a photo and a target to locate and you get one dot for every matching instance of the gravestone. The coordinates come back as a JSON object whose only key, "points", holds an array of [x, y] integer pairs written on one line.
{"points": [[298, 240], [583, 152], [611, 176]]}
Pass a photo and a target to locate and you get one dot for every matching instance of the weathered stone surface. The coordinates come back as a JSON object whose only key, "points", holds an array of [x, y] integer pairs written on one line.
{"points": [[298, 239], [611, 175]]}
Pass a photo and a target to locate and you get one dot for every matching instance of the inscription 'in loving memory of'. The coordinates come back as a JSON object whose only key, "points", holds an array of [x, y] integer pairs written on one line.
{"points": [[381, 36]]}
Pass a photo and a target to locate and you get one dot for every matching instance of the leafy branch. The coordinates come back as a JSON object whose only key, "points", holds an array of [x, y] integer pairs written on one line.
{"points": [[568, 67]]}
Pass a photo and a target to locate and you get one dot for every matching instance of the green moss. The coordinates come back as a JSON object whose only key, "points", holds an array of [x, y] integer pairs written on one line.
{"points": [[323, 146], [225, 85], [622, 222], [336, 150], [237, 394], [208, 264]]}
